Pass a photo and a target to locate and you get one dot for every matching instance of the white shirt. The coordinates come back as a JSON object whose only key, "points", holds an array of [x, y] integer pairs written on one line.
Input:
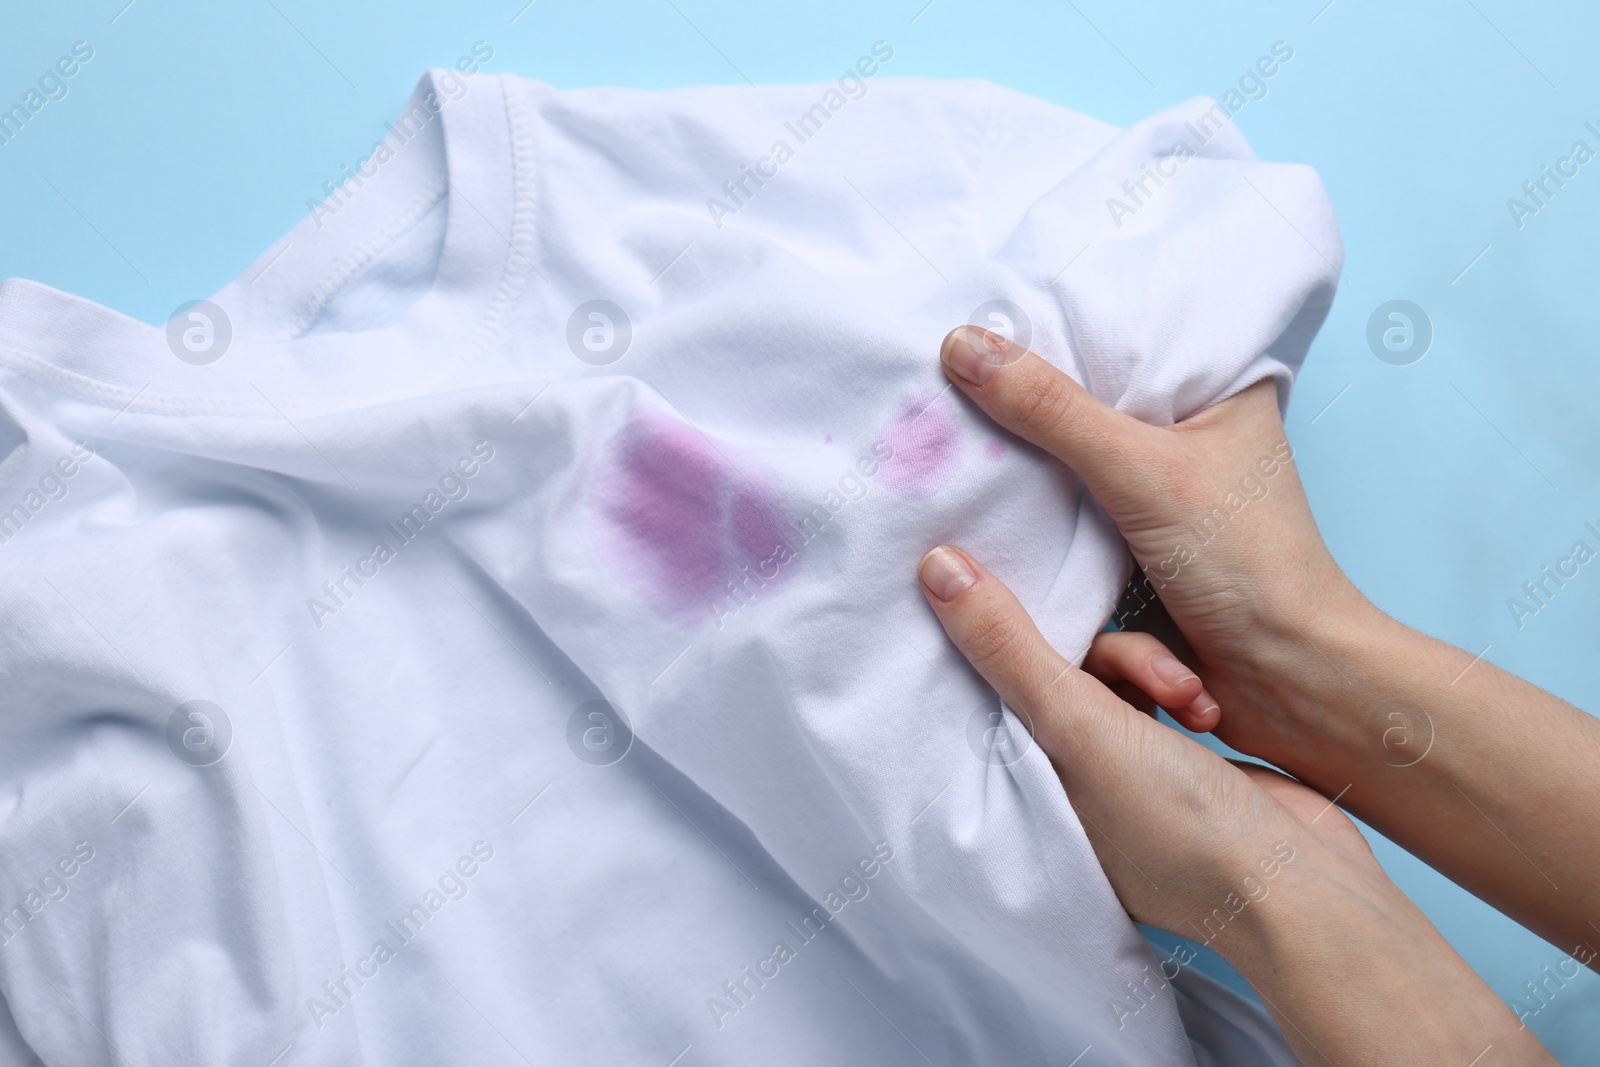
{"points": [[487, 630]]}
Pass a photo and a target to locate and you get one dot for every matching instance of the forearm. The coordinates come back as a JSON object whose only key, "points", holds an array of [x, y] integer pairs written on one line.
{"points": [[1488, 779], [1353, 974]]}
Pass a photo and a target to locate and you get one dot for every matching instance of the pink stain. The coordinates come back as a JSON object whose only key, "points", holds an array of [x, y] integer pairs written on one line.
{"points": [[995, 449], [757, 525], [926, 440], [680, 522]]}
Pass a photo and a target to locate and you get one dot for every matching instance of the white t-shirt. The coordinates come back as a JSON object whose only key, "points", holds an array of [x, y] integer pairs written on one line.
{"points": [[487, 630]]}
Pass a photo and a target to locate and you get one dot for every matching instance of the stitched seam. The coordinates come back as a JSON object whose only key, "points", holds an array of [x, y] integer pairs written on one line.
{"points": [[348, 266]]}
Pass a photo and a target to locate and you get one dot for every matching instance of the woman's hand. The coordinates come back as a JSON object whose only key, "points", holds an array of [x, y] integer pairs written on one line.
{"points": [[1177, 828], [1252, 863], [1482, 775], [1214, 513]]}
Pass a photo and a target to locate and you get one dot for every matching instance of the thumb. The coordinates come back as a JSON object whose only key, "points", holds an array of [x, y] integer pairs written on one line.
{"points": [[1071, 713], [1114, 453]]}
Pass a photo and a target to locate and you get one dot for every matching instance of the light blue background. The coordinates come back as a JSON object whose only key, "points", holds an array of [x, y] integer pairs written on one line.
{"points": [[199, 132]]}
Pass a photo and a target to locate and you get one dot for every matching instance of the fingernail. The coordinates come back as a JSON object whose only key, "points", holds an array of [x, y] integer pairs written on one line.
{"points": [[975, 353], [1170, 669], [946, 574]]}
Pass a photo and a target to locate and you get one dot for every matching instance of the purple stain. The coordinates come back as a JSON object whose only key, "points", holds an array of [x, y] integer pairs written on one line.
{"points": [[682, 523], [830, 439], [757, 527], [926, 440], [995, 448], [661, 500]]}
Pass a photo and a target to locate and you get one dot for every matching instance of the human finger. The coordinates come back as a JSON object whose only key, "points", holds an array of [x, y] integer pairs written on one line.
{"points": [[1123, 660]]}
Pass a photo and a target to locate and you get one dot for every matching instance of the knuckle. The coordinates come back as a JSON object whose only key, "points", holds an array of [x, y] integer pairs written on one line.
{"points": [[992, 639], [1045, 399]]}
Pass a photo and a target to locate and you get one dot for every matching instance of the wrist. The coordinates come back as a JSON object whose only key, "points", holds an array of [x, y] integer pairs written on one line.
{"points": [[1333, 915], [1330, 671], [1318, 901]]}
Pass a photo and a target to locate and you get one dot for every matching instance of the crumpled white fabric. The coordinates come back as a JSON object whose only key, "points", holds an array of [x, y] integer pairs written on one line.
{"points": [[657, 671]]}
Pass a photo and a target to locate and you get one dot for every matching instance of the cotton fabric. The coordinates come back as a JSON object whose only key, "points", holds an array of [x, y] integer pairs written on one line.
{"points": [[564, 690]]}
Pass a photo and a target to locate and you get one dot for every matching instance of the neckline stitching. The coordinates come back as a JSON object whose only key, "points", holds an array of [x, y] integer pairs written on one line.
{"points": [[104, 393]]}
